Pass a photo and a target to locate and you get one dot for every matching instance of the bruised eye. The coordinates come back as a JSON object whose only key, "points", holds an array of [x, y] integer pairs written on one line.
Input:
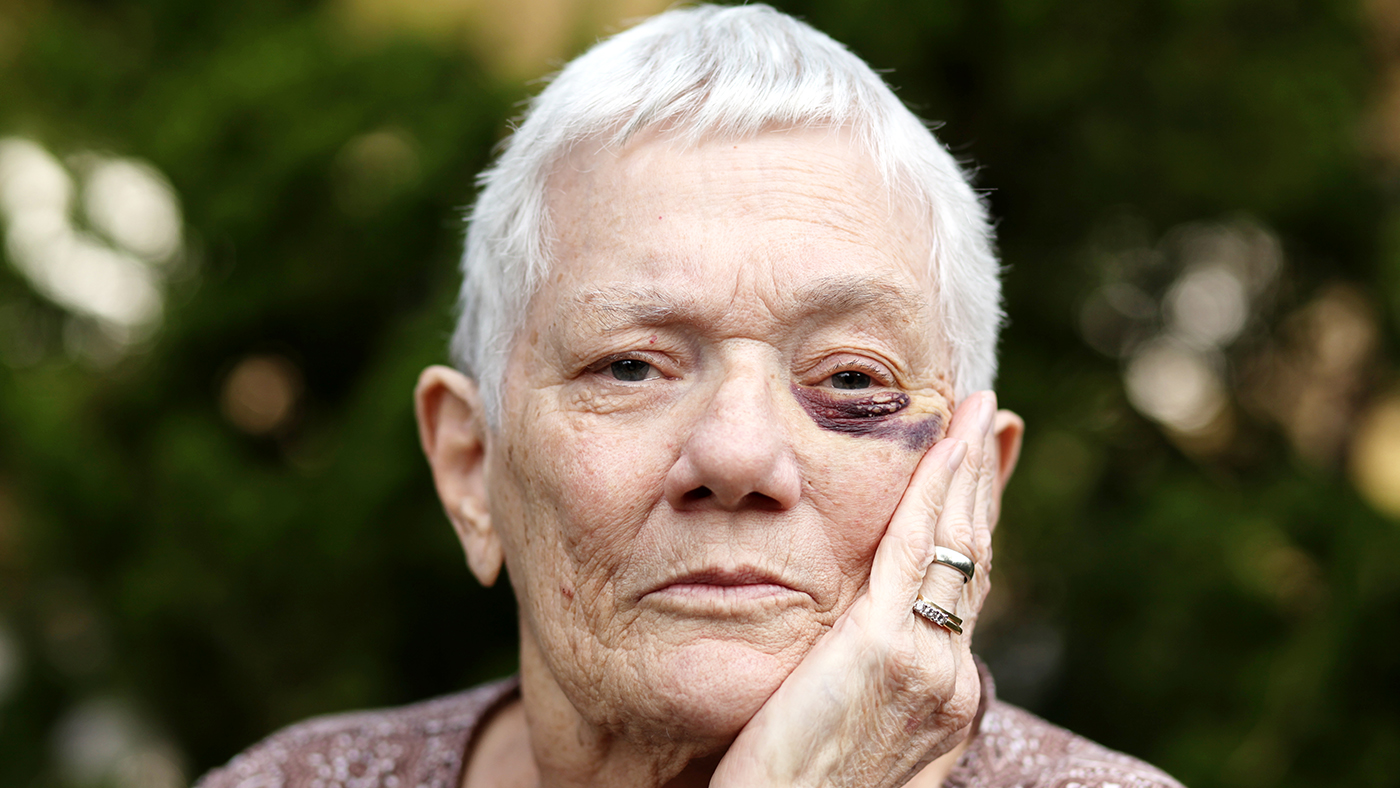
{"points": [[630, 369], [850, 379]]}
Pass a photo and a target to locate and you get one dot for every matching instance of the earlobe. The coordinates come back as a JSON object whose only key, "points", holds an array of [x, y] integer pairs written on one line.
{"points": [[452, 430], [479, 541]]}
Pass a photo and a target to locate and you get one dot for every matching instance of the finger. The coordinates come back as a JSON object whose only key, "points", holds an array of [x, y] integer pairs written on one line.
{"points": [[963, 514], [902, 555], [984, 520], [986, 475], [984, 467]]}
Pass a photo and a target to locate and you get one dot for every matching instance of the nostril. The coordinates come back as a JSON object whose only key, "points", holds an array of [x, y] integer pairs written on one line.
{"points": [[761, 501], [698, 493]]}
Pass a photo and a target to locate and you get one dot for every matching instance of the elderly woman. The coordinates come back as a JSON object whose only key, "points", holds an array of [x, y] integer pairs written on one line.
{"points": [[728, 321]]}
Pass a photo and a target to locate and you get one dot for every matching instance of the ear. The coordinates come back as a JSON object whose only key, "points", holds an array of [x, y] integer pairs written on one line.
{"points": [[1009, 429], [452, 429]]}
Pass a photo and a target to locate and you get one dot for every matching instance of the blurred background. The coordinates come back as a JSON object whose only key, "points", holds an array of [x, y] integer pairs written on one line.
{"points": [[229, 237]]}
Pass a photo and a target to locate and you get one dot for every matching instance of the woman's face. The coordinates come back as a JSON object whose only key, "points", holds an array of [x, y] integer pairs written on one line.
{"points": [[714, 406]]}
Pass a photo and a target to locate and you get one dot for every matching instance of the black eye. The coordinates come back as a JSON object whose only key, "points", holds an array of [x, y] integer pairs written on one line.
{"points": [[630, 369], [850, 379]]}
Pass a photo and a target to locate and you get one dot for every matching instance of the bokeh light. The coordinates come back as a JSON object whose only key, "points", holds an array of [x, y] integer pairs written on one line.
{"points": [[373, 168], [1375, 456], [260, 393], [1172, 310], [1174, 384], [520, 38], [104, 741], [10, 663], [1314, 374], [119, 282], [134, 206], [1207, 306]]}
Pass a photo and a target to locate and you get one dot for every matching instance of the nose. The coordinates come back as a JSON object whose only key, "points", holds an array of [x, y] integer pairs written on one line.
{"points": [[737, 454]]}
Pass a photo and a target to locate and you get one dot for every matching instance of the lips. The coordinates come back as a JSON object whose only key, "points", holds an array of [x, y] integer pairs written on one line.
{"points": [[729, 583]]}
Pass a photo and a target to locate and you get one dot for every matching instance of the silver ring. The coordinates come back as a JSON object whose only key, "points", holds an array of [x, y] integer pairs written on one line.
{"points": [[960, 562], [938, 615]]}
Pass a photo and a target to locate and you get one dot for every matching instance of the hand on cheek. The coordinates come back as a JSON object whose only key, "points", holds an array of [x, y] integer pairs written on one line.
{"points": [[886, 691]]}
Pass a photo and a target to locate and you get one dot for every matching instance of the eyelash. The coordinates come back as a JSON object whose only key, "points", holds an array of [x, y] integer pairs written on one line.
{"points": [[879, 375], [601, 366]]}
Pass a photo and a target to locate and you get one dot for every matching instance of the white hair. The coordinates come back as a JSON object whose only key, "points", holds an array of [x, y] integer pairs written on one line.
{"points": [[708, 72]]}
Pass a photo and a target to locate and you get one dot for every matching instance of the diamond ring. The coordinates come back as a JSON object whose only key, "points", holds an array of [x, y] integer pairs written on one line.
{"points": [[938, 615]]}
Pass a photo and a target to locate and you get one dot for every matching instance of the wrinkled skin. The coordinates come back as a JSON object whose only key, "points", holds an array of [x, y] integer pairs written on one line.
{"points": [[718, 475]]}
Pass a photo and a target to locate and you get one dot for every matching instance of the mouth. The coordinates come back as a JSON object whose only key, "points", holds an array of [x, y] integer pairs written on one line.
{"points": [[722, 585]]}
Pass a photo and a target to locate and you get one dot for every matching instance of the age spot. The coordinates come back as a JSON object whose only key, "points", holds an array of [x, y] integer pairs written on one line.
{"points": [[873, 416]]}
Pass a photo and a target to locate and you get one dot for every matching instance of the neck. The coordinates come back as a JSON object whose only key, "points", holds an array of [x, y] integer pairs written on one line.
{"points": [[544, 742], [570, 749]]}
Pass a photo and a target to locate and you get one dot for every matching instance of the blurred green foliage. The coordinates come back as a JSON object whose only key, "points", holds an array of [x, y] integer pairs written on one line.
{"points": [[224, 584]]}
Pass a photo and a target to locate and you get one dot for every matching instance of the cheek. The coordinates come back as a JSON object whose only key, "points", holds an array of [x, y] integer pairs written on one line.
{"points": [[577, 496], [856, 485]]}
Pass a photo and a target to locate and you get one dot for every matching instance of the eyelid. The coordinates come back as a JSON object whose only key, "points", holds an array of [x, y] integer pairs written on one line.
{"points": [[879, 373], [657, 361]]}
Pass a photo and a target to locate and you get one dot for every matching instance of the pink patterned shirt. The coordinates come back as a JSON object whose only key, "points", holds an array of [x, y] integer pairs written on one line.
{"points": [[423, 745]]}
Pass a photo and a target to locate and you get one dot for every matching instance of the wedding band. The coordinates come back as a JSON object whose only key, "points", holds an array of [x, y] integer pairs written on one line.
{"points": [[960, 562], [938, 615]]}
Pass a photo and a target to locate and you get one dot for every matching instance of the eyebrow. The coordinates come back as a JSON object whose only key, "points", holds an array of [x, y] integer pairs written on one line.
{"points": [[619, 307], [855, 293]]}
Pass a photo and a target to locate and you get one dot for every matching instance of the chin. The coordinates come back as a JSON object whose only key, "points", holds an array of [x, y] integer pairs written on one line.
{"points": [[709, 690], [692, 683]]}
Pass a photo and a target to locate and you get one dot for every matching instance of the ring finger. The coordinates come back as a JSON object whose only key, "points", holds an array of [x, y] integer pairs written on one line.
{"points": [[958, 548]]}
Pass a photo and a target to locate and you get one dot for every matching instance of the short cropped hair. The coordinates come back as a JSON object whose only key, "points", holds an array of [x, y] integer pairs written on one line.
{"points": [[718, 72]]}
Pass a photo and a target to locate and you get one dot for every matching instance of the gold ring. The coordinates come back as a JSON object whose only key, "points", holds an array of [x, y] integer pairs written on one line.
{"points": [[938, 615]]}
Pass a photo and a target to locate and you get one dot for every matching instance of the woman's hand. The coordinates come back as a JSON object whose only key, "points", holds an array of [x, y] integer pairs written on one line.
{"points": [[885, 691]]}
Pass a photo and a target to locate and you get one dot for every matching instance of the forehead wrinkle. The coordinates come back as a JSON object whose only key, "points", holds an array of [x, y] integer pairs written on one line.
{"points": [[619, 307], [859, 293]]}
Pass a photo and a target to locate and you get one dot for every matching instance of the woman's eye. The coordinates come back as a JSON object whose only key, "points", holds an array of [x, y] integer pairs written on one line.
{"points": [[850, 379], [630, 369]]}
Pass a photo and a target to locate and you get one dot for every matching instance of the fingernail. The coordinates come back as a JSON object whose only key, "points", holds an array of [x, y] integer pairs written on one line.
{"points": [[987, 411], [955, 457]]}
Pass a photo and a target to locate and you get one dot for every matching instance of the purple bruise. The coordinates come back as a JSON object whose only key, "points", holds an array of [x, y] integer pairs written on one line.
{"points": [[870, 416]]}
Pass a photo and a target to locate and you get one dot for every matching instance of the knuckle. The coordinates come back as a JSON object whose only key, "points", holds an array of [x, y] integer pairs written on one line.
{"points": [[982, 548], [915, 545], [902, 665], [961, 708], [927, 679], [960, 531], [933, 499]]}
